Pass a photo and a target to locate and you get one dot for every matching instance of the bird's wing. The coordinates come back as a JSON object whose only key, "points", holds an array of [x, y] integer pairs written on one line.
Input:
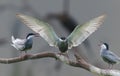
{"points": [[19, 44], [20, 41], [44, 29], [82, 32], [17, 41], [112, 56]]}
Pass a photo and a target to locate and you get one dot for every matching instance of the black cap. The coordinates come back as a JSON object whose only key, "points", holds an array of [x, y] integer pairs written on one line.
{"points": [[107, 46], [30, 35], [63, 38]]}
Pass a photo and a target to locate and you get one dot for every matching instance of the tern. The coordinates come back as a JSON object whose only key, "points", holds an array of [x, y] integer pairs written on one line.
{"points": [[79, 34], [23, 44], [108, 56]]}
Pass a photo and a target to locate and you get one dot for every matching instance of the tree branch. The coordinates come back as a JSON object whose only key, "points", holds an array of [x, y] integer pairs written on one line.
{"points": [[26, 57], [80, 62]]}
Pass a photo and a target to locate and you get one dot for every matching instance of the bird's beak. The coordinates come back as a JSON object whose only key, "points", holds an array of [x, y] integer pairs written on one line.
{"points": [[37, 35]]}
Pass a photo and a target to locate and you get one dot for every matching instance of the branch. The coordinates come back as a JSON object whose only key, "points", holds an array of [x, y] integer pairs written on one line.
{"points": [[27, 57], [80, 62], [96, 70]]}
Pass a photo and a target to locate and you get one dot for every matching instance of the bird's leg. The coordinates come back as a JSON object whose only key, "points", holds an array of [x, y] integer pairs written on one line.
{"points": [[20, 53], [25, 52], [109, 66]]}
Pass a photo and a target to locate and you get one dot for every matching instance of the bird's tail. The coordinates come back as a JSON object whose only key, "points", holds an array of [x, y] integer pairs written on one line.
{"points": [[13, 39], [118, 61]]}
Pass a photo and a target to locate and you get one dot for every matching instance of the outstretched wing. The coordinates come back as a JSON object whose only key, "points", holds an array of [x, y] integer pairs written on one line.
{"points": [[82, 32], [44, 29]]}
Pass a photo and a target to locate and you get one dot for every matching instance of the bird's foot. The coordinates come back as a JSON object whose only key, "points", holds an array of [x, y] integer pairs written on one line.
{"points": [[110, 67], [23, 55]]}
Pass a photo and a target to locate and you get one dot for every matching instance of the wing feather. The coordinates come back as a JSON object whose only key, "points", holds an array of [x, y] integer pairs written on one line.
{"points": [[82, 32], [44, 29]]}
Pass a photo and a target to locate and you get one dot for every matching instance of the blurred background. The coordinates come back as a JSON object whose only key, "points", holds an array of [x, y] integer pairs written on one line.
{"points": [[63, 16]]}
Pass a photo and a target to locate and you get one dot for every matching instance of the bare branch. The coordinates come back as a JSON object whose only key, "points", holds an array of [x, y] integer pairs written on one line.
{"points": [[80, 62], [26, 57]]}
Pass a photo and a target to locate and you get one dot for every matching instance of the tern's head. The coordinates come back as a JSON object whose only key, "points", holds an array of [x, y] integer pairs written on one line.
{"points": [[105, 46], [62, 39], [31, 35]]}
